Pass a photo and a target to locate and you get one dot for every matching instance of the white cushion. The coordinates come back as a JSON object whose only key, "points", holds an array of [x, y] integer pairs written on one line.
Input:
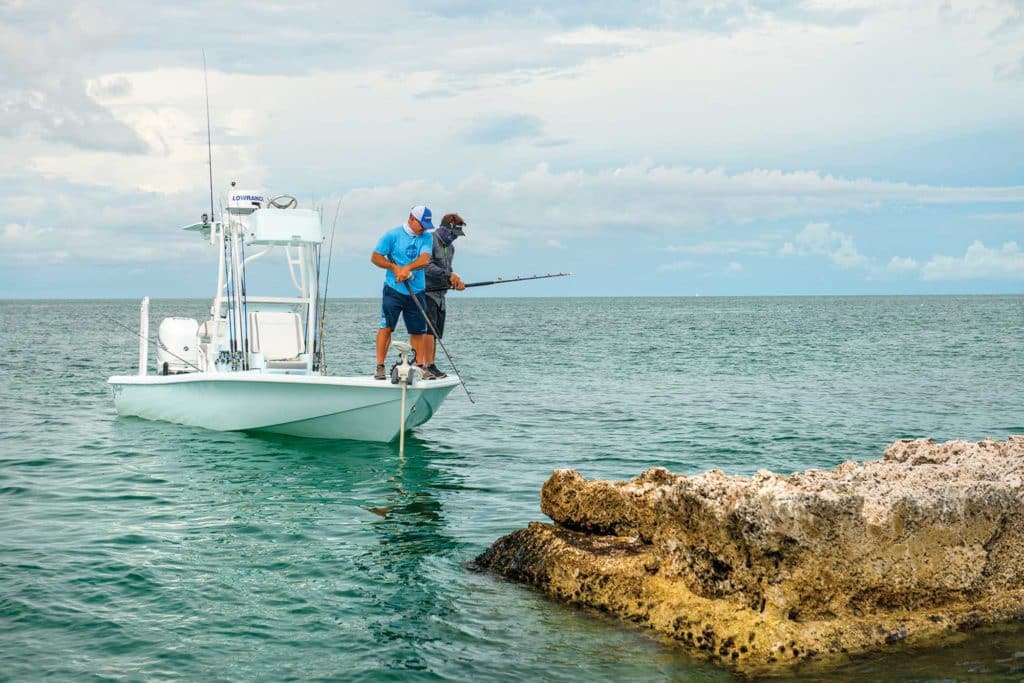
{"points": [[276, 334]]}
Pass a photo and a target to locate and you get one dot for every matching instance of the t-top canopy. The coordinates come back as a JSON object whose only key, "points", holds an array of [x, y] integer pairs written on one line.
{"points": [[284, 226]]}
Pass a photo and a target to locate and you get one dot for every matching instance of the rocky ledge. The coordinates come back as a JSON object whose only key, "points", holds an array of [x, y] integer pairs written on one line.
{"points": [[768, 572]]}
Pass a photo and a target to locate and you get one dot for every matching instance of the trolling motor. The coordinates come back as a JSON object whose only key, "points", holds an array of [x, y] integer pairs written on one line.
{"points": [[403, 370]]}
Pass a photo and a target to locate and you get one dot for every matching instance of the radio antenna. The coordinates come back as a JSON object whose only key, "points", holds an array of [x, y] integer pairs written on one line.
{"points": [[209, 143]]}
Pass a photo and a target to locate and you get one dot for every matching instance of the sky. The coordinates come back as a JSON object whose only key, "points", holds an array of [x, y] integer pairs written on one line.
{"points": [[660, 147]]}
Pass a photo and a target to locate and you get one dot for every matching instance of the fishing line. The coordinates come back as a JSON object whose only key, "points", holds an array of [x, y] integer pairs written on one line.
{"points": [[159, 344], [439, 342]]}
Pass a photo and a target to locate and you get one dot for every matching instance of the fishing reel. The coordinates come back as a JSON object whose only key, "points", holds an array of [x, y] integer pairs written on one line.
{"points": [[403, 370]]}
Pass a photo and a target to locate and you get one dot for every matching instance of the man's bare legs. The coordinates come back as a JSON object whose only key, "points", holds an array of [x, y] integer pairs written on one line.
{"points": [[420, 344], [383, 342]]}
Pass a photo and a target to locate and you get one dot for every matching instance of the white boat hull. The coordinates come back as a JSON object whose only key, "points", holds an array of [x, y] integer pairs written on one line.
{"points": [[314, 406]]}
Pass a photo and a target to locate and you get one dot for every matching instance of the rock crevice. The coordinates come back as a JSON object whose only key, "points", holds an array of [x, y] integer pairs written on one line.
{"points": [[768, 571]]}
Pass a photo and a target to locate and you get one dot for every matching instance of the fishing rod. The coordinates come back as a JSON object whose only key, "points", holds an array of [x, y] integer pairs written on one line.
{"points": [[502, 281], [235, 327], [157, 342], [209, 138], [438, 338], [327, 282], [317, 257], [244, 306]]}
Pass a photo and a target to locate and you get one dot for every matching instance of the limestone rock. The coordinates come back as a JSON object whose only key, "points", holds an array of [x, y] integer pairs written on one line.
{"points": [[766, 572]]}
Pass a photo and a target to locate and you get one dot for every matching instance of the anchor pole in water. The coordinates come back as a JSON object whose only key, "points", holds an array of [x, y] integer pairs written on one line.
{"points": [[401, 424], [402, 371]]}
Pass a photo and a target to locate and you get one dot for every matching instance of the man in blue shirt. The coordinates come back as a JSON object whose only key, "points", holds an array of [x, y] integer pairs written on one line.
{"points": [[403, 252]]}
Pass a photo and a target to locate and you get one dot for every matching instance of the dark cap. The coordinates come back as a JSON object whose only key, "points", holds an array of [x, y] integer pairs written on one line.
{"points": [[456, 226]]}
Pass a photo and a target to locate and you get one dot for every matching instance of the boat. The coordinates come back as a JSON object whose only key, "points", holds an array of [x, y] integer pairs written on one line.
{"points": [[257, 364]]}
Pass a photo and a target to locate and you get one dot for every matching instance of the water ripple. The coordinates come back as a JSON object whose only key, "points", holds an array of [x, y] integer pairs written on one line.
{"points": [[139, 550]]}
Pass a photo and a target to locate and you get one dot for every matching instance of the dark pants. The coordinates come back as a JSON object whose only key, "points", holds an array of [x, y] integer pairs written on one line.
{"points": [[435, 313]]}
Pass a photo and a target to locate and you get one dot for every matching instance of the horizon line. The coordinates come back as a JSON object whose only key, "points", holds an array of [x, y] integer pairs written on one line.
{"points": [[577, 296]]}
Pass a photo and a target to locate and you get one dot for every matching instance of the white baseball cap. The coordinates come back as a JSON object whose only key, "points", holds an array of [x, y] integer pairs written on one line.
{"points": [[423, 215]]}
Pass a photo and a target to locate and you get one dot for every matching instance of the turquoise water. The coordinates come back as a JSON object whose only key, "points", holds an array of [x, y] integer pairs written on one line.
{"points": [[140, 550]]}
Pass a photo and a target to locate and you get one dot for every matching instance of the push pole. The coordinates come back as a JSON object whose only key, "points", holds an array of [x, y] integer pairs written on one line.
{"points": [[402, 371], [401, 424]]}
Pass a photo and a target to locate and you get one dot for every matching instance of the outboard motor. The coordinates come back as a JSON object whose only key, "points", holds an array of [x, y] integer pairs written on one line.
{"points": [[403, 370], [177, 348]]}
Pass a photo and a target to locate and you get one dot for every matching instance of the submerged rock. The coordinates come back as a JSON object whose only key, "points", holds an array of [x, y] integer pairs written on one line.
{"points": [[765, 572]]}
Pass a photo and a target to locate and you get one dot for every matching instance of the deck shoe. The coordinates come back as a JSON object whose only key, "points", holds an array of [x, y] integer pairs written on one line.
{"points": [[380, 373], [427, 373], [437, 371]]}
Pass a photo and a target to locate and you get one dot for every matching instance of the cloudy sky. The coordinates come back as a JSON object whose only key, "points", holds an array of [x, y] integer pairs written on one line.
{"points": [[669, 148]]}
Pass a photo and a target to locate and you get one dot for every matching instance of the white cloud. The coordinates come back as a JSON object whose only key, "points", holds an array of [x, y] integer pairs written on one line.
{"points": [[978, 262], [821, 239], [679, 266], [901, 264], [43, 94], [14, 233], [347, 88], [847, 256], [592, 35], [113, 118], [650, 199], [561, 206], [26, 245], [722, 247], [1002, 216]]}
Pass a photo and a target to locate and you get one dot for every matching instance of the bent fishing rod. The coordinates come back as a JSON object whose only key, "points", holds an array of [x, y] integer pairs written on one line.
{"points": [[502, 281], [159, 344], [433, 331]]}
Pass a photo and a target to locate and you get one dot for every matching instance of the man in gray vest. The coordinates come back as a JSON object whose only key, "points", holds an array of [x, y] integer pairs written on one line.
{"points": [[440, 278]]}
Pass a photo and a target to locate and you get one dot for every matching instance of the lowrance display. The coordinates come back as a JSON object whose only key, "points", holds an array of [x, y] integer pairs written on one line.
{"points": [[246, 201]]}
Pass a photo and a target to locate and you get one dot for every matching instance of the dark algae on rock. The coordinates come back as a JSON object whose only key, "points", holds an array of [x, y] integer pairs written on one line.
{"points": [[765, 573]]}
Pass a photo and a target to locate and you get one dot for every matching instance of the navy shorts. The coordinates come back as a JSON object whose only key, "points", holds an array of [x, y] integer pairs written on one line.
{"points": [[436, 316], [395, 303]]}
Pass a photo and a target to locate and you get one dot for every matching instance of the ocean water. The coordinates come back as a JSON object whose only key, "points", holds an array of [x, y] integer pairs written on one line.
{"points": [[135, 550]]}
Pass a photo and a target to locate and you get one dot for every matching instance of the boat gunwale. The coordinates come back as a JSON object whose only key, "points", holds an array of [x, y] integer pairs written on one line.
{"points": [[259, 377]]}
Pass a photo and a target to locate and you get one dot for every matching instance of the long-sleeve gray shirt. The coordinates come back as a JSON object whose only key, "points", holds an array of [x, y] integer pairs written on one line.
{"points": [[439, 270]]}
